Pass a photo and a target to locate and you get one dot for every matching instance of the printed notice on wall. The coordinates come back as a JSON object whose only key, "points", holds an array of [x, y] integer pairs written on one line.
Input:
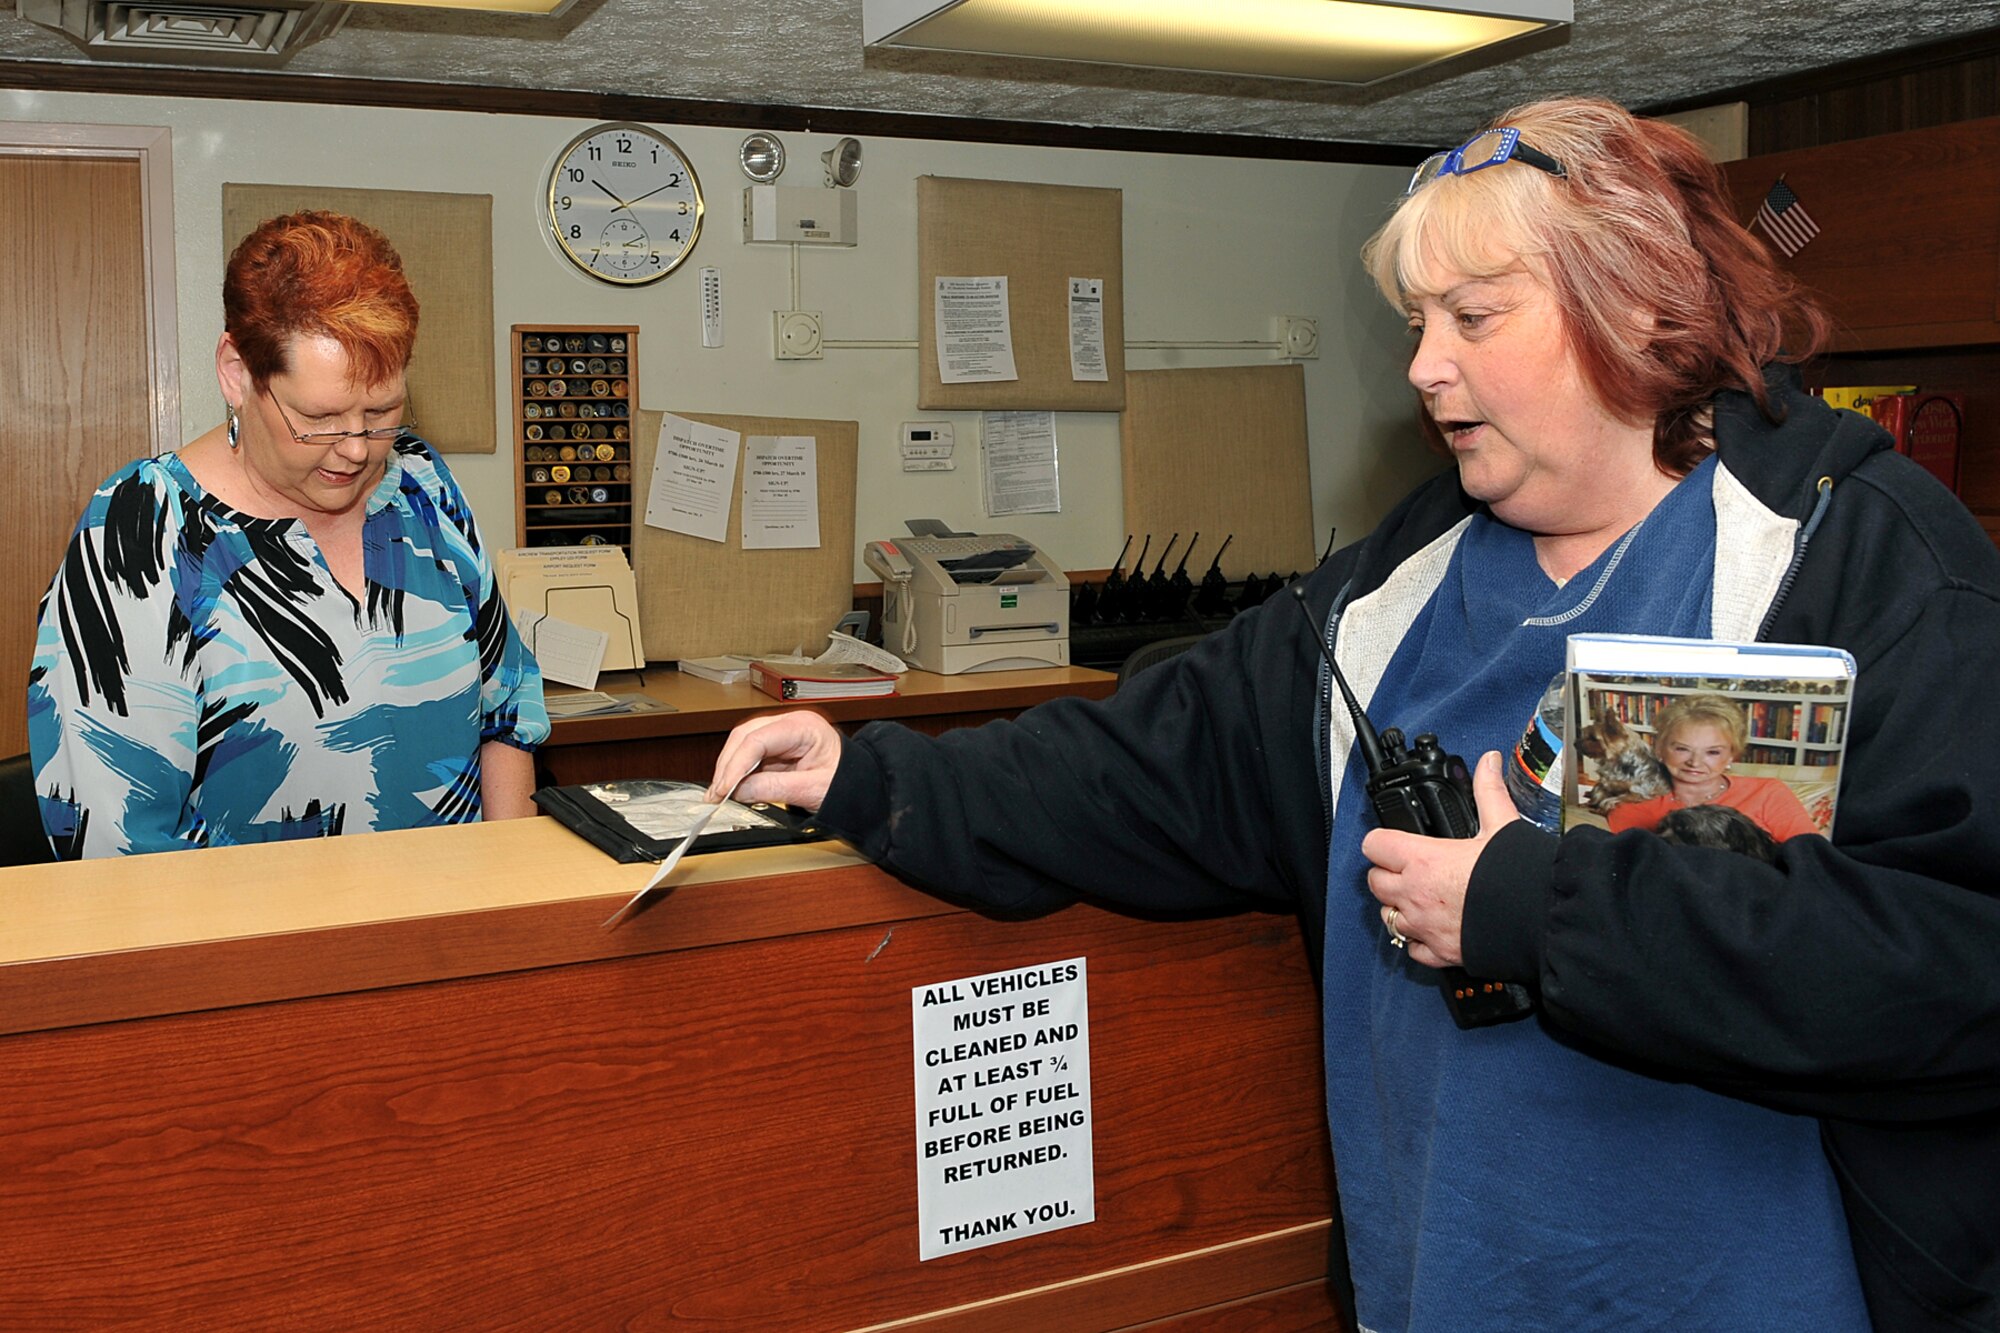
{"points": [[694, 472], [1003, 1107], [1086, 330], [780, 492], [975, 332], [1017, 452]]}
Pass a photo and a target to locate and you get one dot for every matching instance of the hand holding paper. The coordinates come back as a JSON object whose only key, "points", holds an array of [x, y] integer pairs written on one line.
{"points": [[673, 857], [794, 754]]}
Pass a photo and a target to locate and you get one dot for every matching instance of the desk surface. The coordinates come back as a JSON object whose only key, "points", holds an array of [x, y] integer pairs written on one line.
{"points": [[703, 707]]}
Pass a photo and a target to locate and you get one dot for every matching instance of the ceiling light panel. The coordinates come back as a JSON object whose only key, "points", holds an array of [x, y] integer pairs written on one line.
{"points": [[1330, 41]]}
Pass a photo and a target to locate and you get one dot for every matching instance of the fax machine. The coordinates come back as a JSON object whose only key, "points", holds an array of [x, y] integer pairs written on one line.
{"points": [[953, 603]]}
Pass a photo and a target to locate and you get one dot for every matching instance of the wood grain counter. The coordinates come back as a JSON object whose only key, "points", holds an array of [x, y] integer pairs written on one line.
{"points": [[407, 1081]]}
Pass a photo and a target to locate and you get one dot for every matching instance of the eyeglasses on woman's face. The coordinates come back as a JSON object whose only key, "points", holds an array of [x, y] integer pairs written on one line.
{"points": [[322, 438]]}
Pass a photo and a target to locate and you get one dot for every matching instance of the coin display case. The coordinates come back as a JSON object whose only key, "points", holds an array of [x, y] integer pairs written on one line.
{"points": [[575, 392]]}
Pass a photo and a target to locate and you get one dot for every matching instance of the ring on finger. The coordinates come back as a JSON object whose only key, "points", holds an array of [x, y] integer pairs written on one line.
{"points": [[1396, 935]]}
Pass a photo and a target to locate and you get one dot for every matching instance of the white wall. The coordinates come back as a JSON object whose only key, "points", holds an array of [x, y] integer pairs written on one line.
{"points": [[1214, 249]]}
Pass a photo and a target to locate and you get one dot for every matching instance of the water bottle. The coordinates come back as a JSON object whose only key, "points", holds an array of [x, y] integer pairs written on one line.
{"points": [[1535, 769]]}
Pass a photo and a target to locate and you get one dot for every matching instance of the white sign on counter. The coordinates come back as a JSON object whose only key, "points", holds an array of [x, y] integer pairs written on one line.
{"points": [[1003, 1107]]}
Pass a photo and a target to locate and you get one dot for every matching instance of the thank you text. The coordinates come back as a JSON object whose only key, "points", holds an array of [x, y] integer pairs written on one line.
{"points": [[1003, 1107]]}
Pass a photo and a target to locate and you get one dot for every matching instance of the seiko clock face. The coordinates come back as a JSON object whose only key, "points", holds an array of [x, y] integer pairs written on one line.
{"points": [[624, 205]]}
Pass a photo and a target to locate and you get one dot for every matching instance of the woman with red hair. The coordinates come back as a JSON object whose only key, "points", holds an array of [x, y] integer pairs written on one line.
{"points": [[1750, 1094], [288, 628]]}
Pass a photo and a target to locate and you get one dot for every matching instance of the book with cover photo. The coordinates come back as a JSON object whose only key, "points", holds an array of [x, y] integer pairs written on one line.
{"points": [[1734, 745]]}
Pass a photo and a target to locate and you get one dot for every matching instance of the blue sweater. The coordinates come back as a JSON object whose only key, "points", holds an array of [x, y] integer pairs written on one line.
{"points": [[1502, 1178]]}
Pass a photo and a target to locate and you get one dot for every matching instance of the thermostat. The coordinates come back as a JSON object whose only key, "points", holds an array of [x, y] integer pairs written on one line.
{"points": [[926, 446]]}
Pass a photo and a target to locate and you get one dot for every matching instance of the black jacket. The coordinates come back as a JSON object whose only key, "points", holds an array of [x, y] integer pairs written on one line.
{"points": [[1858, 981]]}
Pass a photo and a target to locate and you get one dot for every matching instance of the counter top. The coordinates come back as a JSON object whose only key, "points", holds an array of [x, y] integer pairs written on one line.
{"points": [[100, 940]]}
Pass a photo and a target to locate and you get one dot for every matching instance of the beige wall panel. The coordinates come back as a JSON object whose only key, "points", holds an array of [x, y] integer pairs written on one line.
{"points": [[1038, 237], [1221, 452], [700, 598]]}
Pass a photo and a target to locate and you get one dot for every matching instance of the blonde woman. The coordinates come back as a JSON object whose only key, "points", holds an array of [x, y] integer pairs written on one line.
{"points": [[1754, 1095], [1700, 738]]}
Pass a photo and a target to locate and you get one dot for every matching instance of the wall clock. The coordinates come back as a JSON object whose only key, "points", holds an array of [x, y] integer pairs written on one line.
{"points": [[623, 204]]}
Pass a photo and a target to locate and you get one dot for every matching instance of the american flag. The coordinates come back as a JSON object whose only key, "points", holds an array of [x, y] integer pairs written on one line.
{"points": [[1784, 219]]}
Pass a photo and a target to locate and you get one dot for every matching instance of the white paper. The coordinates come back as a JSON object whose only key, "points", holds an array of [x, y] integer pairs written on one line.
{"points": [[586, 585], [1003, 1107], [1086, 330], [975, 333], [590, 703], [780, 492], [846, 648], [694, 473], [569, 653], [1018, 455]]}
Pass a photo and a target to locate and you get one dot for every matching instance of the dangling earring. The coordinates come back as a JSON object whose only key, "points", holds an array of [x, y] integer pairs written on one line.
{"points": [[235, 427]]}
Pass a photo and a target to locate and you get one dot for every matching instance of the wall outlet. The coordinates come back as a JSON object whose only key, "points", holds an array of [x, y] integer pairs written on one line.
{"points": [[796, 335], [1298, 337]]}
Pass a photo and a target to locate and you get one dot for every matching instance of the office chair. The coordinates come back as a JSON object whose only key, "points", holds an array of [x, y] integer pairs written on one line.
{"points": [[22, 842], [1155, 652]]}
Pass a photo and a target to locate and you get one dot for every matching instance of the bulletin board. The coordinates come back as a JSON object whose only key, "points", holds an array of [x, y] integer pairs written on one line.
{"points": [[1038, 237], [1218, 451], [446, 242], [700, 598]]}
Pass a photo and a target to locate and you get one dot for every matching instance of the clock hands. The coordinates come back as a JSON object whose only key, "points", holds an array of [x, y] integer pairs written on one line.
{"points": [[641, 199], [608, 195], [650, 193]]}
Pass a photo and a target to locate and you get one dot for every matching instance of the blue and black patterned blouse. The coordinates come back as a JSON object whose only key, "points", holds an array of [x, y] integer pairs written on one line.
{"points": [[201, 679]]}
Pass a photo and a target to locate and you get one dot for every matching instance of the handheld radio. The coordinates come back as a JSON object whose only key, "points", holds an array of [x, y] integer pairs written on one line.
{"points": [[1423, 789]]}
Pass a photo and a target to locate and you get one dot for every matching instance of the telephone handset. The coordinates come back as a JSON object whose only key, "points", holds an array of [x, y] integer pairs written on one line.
{"points": [[885, 559], [896, 571]]}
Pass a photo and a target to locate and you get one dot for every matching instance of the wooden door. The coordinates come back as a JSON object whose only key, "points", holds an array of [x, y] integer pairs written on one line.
{"points": [[76, 398]]}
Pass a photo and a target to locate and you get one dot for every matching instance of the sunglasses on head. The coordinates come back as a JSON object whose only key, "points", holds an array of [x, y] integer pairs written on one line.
{"points": [[1488, 148]]}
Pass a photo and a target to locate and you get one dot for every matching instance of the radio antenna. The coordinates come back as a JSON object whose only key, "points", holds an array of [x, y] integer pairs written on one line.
{"points": [[1181, 568], [1215, 565], [1365, 736]]}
